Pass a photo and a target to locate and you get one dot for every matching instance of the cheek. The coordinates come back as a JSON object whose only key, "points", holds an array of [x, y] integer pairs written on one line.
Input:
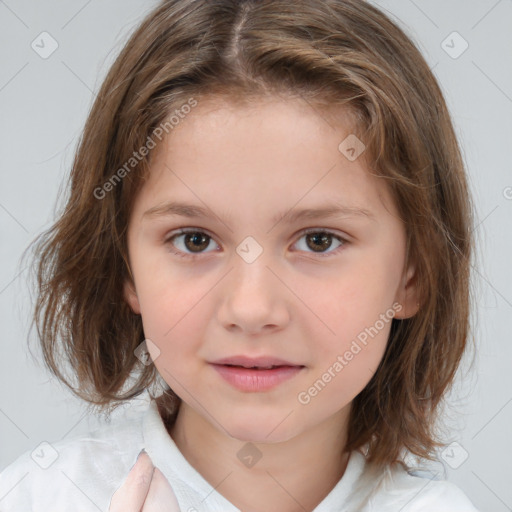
{"points": [[340, 308], [168, 295], [173, 318], [360, 313], [344, 370]]}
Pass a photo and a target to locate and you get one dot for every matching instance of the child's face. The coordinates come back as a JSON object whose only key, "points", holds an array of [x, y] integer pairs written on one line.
{"points": [[305, 299]]}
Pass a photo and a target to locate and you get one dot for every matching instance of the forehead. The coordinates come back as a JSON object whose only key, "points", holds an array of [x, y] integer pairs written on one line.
{"points": [[271, 113], [271, 151]]}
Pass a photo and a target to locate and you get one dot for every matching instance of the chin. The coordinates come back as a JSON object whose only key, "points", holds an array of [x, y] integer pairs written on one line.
{"points": [[257, 429]]}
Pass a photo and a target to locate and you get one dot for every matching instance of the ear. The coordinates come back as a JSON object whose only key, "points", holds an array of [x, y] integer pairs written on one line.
{"points": [[130, 295], [408, 294]]}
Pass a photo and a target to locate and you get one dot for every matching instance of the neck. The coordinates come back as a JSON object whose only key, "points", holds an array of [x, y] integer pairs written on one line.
{"points": [[290, 476]]}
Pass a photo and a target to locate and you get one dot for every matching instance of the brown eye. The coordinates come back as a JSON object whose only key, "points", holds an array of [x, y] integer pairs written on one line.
{"points": [[320, 242], [196, 242], [189, 243]]}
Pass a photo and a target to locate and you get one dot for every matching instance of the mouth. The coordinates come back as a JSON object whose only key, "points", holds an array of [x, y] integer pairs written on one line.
{"points": [[252, 376], [258, 363], [258, 367]]}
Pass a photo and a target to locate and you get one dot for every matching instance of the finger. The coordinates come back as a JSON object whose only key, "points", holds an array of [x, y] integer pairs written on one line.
{"points": [[132, 493], [161, 497]]}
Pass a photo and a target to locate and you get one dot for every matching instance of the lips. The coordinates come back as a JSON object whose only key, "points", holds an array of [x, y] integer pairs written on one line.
{"points": [[255, 374], [261, 362]]}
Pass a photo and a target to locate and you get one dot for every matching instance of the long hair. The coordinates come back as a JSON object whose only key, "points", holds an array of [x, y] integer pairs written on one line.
{"points": [[334, 54]]}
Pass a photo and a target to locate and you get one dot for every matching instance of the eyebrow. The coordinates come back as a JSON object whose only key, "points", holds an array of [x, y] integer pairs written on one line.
{"points": [[175, 208]]}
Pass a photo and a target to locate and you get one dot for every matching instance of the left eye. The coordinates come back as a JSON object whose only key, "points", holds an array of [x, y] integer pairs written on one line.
{"points": [[195, 242], [319, 241]]}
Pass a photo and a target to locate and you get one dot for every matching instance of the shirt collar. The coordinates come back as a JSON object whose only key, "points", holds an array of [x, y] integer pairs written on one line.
{"points": [[193, 491]]}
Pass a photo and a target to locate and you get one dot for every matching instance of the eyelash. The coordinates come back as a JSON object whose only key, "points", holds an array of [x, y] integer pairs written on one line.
{"points": [[185, 231]]}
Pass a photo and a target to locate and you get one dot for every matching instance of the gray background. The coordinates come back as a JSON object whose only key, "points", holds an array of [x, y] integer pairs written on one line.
{"points": [[44, 103]]}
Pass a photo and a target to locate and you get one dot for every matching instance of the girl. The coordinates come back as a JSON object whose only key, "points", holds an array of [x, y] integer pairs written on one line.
{"points": [[269, 219]]}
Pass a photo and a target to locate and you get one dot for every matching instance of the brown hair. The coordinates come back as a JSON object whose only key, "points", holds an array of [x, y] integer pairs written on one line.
{"points": [[334, 53]]}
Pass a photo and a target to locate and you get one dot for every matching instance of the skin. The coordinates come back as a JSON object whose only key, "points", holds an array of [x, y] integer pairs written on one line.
{"points": [[145, 490], [247, 164]]}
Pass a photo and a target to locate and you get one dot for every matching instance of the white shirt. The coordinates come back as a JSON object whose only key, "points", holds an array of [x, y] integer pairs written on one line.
{"points": [[82, 474]]}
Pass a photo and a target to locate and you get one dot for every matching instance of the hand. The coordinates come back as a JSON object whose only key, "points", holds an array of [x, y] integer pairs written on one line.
{"points": [[145, 490]]}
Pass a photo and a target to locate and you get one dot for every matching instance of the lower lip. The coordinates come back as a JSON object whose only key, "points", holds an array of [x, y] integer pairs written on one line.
{"points": [[246, 379]]}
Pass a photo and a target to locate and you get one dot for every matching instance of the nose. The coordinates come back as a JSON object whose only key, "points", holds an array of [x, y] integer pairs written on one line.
{"points": [[254, 301]]}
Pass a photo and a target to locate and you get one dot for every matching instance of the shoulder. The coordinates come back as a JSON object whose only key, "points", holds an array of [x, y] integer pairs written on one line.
{"points": [[396, 488], [438, 496], [426, 493], [446, 496], [80, 473]]}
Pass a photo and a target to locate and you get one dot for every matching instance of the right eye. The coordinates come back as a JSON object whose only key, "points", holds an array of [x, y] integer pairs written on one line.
{"points": [[189, 242]]}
